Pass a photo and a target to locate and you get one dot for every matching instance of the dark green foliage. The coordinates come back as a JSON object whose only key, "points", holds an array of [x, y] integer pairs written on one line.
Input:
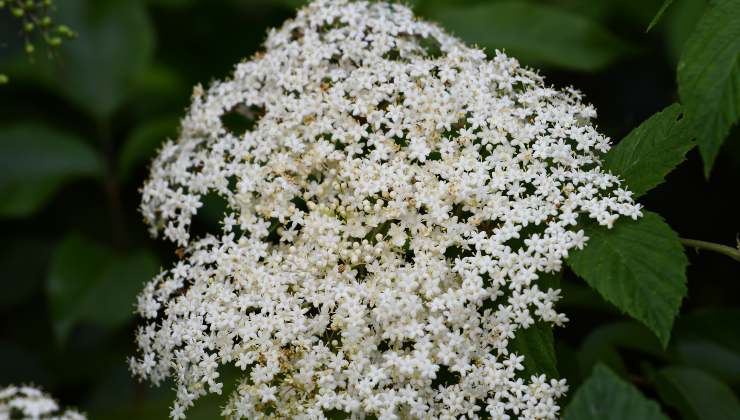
{"points": [[36, 162], [709, 77], [536, 33], [696, 394], [639, 266], [536, 344], [606, 396], [91, 283], [652, 150], [78, 129]]}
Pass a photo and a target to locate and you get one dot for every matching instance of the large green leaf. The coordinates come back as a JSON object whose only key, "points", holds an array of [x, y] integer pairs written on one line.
{"points": [[535, 33], [652, 150], [709, 77], [639, 266], [697, 394], [606, 396], [36, 162], [88, 282], [114, 45]]}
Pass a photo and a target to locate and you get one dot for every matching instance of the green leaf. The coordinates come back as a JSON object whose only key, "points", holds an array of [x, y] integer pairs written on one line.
{"points": [[577, 295], [88, 282], [709, 77], [603, 343], [697, 394], [36, 162], [639, 266], [658, 15], [116, 291], [606, 396], [76, 268], [143, 142], [652, 150], [535, 33], [114, 45], [708, 340], [680, 22], [536, 343]]}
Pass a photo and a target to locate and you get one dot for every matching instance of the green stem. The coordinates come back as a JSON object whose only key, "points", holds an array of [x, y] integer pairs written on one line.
{"points": [[112, 187], [729, 251]]}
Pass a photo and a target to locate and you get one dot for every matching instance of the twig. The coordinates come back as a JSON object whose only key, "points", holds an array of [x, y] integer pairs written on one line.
{"points": [[729, 251]]}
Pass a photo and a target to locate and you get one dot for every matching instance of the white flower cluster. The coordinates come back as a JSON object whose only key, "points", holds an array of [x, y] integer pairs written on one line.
{"points": [[393, 205], [29, 403]]}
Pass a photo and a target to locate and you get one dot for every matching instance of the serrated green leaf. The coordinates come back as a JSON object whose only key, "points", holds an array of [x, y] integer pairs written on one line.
{"points": [[639, 266], [697, 394], [535, 33], [88, 282], [658, 15], [652, 150], [709, 77], [606, 396], [36, 162]]}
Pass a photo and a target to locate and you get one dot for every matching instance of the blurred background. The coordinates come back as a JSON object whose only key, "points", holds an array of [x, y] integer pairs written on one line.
{"points": [[78, 129]]}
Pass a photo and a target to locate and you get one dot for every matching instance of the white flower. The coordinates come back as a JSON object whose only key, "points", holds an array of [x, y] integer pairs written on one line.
{"points": [[390, 213], [26, 402]]}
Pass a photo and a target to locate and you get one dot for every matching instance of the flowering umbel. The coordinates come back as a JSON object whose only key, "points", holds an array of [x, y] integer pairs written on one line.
{"points": [[29, 403], [393, 203]]}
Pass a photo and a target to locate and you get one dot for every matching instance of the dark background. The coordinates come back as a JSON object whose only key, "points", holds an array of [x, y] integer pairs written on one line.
{"points": [[148, 55]]}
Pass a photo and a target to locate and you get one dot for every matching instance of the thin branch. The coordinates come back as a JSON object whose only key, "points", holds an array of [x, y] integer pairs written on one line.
{"points": [[729, 251]]}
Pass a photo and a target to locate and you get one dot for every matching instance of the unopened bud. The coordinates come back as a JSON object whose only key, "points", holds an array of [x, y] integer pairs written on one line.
{"points": [[54, 41], [65, 31]]}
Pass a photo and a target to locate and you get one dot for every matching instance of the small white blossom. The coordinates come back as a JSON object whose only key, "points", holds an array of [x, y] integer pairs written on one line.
{"points": [[29, 403], [391, 211]]}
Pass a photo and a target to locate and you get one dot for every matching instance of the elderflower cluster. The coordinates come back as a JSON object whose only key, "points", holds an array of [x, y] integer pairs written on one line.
{"points": [[395, 202], [30, 403]]}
